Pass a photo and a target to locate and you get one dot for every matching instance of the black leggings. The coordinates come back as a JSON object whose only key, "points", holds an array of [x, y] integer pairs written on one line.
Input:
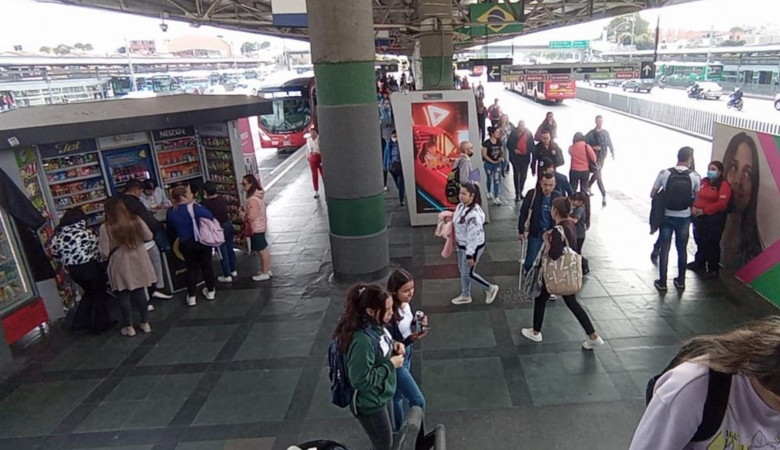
{"points": [[707, 232], [135, 297], [596, 178], [579, 178], [92, 312], [540, 305], [197, 258]]}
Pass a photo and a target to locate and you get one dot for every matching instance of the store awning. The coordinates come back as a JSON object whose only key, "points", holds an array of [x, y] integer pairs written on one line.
{"points": [[59, 123]]}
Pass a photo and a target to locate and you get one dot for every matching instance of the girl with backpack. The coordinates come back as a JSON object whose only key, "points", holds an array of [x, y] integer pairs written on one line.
{"points": [[720, 390], [555, 242], [402, 329], [469, 220], [371, 358], [255, 215], [197, 257], [709, 220]]}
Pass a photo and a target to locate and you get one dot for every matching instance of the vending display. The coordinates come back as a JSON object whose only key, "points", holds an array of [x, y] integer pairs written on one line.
{"points": [[15, 287], [177, 155], [75, 178], [221, 170], [128, 164]]}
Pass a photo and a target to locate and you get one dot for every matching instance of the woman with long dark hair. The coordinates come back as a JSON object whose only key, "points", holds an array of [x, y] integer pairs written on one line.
{"points": [[130, 269], [709, 219], [371, 358], [76, 247], [582, 156], [741, 238], [469, 222], [255, 214], [748, 359], [405, 328], [183, 217]]}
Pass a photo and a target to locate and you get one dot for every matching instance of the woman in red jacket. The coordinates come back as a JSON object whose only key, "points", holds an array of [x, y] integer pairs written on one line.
{"points": [[709, 219]]}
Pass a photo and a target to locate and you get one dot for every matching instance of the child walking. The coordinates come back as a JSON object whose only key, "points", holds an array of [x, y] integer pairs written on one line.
{"points": [[469, 220], [403, 328], [371, 368], [580, 215]]}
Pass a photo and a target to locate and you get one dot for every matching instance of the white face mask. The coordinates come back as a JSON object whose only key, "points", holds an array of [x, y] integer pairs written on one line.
{"points": [[395, 139]]}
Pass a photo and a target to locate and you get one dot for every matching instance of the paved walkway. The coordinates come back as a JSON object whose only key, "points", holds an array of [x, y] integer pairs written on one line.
{"points": [[247, 371]]}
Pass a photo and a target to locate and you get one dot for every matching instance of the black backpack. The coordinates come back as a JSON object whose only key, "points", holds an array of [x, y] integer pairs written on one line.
{"points": [[715, 406], [679, 190]]}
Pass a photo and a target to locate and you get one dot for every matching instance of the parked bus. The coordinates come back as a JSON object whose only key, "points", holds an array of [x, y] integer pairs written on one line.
{"points": [[689, 71], [551, 91], [293, 116]]}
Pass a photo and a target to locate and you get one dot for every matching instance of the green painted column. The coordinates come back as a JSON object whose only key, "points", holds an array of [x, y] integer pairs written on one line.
{"points": [[342, 47], [436, 45]]}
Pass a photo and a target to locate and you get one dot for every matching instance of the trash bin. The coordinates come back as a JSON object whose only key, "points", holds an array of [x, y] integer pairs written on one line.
{"points": [[319, 445]]}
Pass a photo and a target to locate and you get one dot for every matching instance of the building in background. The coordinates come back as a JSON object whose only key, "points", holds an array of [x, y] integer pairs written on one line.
{"points": [[143, 47], [199, 46]]}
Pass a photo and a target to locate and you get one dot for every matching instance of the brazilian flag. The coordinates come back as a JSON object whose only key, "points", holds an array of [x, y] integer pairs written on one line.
{"points": [[497, 17]]}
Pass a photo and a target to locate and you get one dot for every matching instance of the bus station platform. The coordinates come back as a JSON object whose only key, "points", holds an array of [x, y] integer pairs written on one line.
{"points": [[248, 370]]}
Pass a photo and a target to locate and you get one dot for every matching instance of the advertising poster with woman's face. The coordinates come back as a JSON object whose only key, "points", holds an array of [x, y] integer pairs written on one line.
{"points": [[437, 130], [751, 164]]}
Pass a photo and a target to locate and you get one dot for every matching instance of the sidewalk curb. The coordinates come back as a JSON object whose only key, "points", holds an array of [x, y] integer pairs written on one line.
{"points": [[285, 167]]}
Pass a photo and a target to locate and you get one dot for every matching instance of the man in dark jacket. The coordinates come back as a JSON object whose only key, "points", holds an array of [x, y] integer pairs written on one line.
{"points": [[132, 201], [536, 217], [520, 145], [562, 185], [599, 139], [546, 148]]}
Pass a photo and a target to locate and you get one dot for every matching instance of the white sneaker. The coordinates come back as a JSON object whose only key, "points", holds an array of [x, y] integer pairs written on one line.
{"points": [[491, 295], [385, 188], [234, 274], [590, 344], [192, 301], [209, 294], [150, 307], [162, 295], [528, 333], [146, 328], [222, 279], [262, 277], [461, 300], [490, 196], [127, 331], [497, 201], [553, 297]]}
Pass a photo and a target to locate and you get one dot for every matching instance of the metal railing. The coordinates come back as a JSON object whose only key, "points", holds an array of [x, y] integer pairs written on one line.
{"points": [[692, 120]]}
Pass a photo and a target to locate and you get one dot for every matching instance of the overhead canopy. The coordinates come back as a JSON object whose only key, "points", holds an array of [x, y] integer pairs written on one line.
{"points": [[399, 17], [58, 123]]}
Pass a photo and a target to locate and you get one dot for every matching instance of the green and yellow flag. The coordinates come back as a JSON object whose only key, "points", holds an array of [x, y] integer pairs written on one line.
{"points": [[497, 17]]}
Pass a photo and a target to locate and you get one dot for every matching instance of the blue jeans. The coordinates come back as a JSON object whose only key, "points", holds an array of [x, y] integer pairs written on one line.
{"points": [[406, 388], [468, 274], [227, 257], [399, 184], [493, 175], [680, 226], [534, 246]]}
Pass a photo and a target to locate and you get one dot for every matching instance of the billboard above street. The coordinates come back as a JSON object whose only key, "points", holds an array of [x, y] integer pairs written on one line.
{"points": [[567, 72]]}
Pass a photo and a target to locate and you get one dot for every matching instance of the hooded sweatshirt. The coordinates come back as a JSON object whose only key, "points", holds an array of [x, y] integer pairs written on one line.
{"points": [[469, 232], [255, 212]]}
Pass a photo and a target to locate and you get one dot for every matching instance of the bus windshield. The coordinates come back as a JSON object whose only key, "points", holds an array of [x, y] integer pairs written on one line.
{"points": [[289, 114]]}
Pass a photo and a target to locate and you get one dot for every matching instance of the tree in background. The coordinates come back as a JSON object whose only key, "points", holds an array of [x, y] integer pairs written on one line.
{"points": [[62, 49], [249, 47], [731, 43], [88, 47], [79, 46], [45, 49], [265, 45], [621, 29]]}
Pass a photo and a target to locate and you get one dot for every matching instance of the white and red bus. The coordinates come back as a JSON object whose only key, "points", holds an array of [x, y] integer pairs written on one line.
{"points": [[294, 114], [548, 90]]}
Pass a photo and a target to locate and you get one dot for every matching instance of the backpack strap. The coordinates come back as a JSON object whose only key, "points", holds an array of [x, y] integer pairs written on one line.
{"points": [[375, 338], [718, 392]]}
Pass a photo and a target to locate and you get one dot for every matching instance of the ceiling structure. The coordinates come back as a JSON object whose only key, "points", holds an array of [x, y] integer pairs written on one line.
{"points": [[397, 17]]}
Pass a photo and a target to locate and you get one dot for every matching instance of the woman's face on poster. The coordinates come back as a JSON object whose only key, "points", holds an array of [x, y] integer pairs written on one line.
{"points": [[740, 175]]}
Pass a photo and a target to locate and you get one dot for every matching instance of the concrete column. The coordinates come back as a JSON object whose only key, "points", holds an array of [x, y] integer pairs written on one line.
{"points": [[342, 49], [436, 47]]}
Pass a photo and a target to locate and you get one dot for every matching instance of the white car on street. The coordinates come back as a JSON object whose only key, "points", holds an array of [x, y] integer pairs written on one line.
{"points": [[710, 89]]}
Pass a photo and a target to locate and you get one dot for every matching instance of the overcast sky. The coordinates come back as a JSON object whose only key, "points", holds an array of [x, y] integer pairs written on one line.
{"points": [[33, 24]]}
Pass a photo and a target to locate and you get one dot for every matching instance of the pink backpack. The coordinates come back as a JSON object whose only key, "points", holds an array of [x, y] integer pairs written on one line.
{"points": [[208, 232]]}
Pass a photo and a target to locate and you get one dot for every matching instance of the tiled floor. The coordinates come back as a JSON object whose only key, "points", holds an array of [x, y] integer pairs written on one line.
{"points": [[247, 371]]}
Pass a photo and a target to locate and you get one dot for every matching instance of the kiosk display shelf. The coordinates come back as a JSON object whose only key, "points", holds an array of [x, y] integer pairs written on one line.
{"points": [[126, 157], [176, 151], [221, 169], [74, 176], [15, 287]]}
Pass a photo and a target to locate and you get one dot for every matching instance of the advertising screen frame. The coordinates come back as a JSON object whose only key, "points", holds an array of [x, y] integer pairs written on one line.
{"points": [[402, 112]]}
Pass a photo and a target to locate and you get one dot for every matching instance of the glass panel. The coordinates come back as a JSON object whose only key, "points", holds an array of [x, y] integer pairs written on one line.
{"points": [[14, 284], [289, 114]]}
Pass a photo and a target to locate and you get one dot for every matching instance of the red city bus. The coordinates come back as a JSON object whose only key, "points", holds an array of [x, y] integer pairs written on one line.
{"points": [[294, 114], [554, 91]]}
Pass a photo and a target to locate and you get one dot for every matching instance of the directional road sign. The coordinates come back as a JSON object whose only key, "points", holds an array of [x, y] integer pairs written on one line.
{"points": [[647, 70], [561, 44], [494, 73], [565, 72], [581, 44]]}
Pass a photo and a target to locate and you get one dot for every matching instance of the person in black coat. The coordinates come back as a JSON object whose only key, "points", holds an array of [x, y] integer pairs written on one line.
{"points": [[520, 146]]}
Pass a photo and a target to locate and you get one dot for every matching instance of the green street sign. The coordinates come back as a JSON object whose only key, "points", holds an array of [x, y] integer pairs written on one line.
{"points": [[581, 44], [560, 44]]}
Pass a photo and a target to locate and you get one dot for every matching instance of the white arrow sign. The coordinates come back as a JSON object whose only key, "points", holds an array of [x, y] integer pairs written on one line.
{"points": [[493, 73], [647, 70]]}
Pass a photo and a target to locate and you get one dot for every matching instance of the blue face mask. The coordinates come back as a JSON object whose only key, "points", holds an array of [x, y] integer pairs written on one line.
{"points": [[712, 174]]}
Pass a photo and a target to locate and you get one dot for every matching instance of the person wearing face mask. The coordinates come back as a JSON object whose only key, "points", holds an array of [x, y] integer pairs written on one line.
{"points": [[466, 172], [392, 164], [709, 220]]}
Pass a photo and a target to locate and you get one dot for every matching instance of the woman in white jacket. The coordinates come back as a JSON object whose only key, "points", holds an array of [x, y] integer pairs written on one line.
{"points": [[469, 220]]}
